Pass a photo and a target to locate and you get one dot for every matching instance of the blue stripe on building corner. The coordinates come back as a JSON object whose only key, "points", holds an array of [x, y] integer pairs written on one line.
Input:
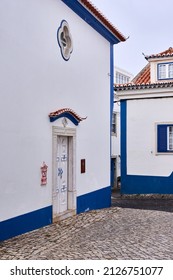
{"points": [[111, 109], [94, 200], [25, 223], [139, 184]]}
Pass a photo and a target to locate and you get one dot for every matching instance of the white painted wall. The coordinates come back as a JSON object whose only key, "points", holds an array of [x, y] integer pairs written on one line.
{"points": [[35, 80], [142, 116]]}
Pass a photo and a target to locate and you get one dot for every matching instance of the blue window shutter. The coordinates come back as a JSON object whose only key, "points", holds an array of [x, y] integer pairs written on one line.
{"points": [[162, 138]]}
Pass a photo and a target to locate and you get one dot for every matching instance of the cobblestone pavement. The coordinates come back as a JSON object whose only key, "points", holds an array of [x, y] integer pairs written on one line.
{"points": [[113, 233], [148, 202]]}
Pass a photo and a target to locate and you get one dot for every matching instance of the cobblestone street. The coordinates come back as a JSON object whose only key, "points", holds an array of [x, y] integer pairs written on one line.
{"points": [[114, 233]]}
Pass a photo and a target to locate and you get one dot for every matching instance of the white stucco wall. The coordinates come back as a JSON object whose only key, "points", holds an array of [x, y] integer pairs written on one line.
{"points": [[35, 80], [142, 116]]}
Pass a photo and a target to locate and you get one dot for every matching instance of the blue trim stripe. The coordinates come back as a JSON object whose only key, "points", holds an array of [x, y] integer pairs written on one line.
{"points": [[139, 184], [95, 200], [91, 20], [112, 172], [111, 104], [26, 222]]}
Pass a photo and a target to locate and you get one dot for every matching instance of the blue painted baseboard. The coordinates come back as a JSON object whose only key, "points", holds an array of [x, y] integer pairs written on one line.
{"points": [[43, 217], [94, 200], [136, 184], [26, 222]]}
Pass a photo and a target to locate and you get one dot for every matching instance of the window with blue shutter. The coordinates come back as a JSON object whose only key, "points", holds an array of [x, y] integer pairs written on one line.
{"points": [[165, 138]]}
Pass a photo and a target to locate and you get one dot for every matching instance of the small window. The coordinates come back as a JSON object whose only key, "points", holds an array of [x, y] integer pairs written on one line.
{"points": [[170, 70], [162, 71], [165, 71], [114, 123], [165, 138], [170, 137]]}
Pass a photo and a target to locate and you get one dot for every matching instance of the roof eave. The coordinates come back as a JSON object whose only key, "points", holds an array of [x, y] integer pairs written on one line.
{"points": [[145, 93], [127, 87], [154, 58], [95, 19]]}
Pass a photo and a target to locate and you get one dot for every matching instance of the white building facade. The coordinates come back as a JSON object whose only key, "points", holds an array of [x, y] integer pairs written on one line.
{"points": [[147, 128], [56, 107], [121, 76]]}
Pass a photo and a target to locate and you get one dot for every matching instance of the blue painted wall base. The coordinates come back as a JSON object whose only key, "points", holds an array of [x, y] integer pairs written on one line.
{"points": [[43, 217], [24, 223], [135, 184], [94, 200]]}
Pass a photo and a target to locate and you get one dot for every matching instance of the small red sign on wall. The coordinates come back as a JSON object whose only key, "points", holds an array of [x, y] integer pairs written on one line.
{"points": [[44, 168]]}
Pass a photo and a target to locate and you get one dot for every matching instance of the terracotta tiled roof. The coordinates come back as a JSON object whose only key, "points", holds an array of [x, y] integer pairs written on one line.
{"points": [[143, 81], [166, 53], [102, 19], [143, 77], [66, 112]]}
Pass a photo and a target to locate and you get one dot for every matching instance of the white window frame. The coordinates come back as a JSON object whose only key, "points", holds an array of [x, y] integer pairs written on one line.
{"points": [[165, 71], [170, 70], [170, 138]]}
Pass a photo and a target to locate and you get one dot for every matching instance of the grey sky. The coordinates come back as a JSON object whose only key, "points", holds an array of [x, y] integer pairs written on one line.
{"points": [[148, 23]]}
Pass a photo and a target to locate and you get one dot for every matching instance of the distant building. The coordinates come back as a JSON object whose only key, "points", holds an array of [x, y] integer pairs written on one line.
{"points": [[120, 76], [147, 128]]}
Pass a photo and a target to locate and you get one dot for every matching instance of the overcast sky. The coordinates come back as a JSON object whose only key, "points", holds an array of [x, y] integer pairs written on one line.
{"points": [[149, 25]]}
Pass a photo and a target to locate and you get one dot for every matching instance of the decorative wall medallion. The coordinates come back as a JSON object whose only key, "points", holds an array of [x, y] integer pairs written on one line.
{"points": [[64, 122], [65, 40]]}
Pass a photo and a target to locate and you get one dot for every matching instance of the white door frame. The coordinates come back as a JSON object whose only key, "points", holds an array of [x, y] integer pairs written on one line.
{"points": [[71, 134]]}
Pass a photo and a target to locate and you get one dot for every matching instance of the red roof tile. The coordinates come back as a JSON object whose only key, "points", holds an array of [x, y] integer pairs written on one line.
{"points": [[102, 19], [65, 112], [166, 53], [143, 77]]}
